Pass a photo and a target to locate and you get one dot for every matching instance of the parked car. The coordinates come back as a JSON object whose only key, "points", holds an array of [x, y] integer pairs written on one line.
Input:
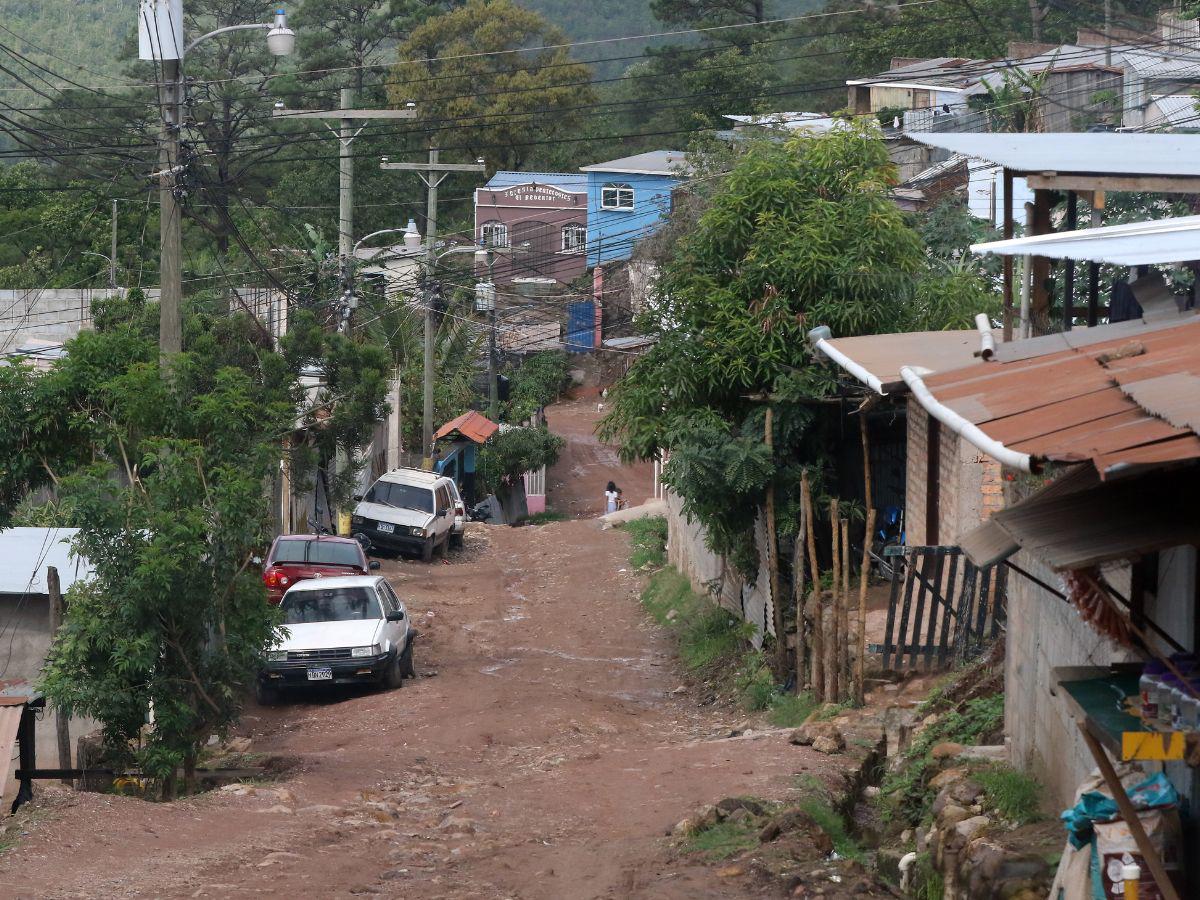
{"points": [[347, 630], [408, 509], [460, 517], [294, 557]]}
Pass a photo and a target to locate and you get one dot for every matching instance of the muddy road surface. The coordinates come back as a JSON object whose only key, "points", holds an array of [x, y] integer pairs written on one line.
{"points": [[544, 750]]}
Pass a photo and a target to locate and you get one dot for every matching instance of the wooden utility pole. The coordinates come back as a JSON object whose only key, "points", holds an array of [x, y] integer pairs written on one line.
{"points": [[843, 610], [432, 173], [861, 640], [817, 677], [798, 596], [781, 666], [831, 654], [62, 725]]}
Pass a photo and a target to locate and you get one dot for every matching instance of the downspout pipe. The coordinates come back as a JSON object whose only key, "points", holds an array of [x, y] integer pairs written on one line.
{"points": [[960, 426], [819, 339], [987, 341]]}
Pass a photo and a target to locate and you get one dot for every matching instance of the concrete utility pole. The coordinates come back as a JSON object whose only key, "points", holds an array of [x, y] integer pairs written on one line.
{"points": [[346, 115], [161, 39], [432, 173], [112, 255]]}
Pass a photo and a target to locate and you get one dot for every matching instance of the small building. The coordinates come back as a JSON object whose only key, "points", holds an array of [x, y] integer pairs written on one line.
{"points": [[627, 200], [456, 449], [541, 217]]}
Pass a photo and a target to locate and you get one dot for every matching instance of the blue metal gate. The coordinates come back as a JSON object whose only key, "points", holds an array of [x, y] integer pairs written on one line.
{"points": [[581, 326]]}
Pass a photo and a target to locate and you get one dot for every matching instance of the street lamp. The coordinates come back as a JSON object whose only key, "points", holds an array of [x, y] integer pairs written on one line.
{"points": [[161, 39]]}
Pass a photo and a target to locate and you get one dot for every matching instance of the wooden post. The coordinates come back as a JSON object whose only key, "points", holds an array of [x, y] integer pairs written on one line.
{"points": [[1009, 228], [844, 612], [1129, 814], [781, 653], [831, 652], [62, 725], [817, 678], [861, 642], [828, 626], [798, 597], [866, 451]]}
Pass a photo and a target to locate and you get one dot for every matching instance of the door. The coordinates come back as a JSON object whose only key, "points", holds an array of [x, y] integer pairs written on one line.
{"points": [[396, 632]]}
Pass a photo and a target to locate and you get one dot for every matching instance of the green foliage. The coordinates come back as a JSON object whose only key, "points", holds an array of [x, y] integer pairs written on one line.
{"points": [[791, 710], [460, 69], [168, 478], [510, 454], [834, 825], [1014, 795], [905, 790], [538, 381], [722, 840], [647, 542], [546, 517], [707, 635], [52, 513], [927, 882]]}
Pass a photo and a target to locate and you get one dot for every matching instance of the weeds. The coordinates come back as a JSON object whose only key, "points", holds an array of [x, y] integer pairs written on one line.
{"points": [[790, 710], [707, 634], [545, 517], [721, 841], [927, 882], [1013, 794], [834, 826], [648, 542]]}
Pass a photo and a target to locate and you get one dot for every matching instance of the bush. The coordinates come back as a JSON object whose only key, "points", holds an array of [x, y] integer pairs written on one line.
{"points": [[648, 541], [539, 381], [706, 633], [1013, 794]]}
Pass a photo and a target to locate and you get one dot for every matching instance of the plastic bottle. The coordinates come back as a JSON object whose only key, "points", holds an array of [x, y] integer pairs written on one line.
{"points": [[1166, 688], [1148, 686]]}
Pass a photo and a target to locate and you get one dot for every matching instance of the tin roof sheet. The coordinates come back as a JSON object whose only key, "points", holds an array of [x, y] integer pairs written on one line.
{"points": [[572, 181], [472, 425], [1092, 153], [1106, 402], [883, 355], [1169, 240], [655, 162]]}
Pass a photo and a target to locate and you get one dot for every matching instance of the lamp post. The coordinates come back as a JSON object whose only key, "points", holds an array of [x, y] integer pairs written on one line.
{"points": [[161, 39]]}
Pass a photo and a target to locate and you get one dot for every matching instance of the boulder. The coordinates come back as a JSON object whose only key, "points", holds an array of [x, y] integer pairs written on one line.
{"points": [[969, 828], [946, 750], [949, 776], [985, 753], [797, 820], [730, 805], [809, 732], [966, 791], [951, 815], [834, 743]]}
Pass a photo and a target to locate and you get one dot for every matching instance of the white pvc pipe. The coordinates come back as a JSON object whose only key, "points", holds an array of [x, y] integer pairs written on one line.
{"points": [[960, 426], [906, 864], [850, 366], [987, 340]]}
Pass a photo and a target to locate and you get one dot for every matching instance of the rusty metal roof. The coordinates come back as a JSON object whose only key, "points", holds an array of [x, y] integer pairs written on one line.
{"points": [[472, 425], [1125, 402], [882, 355]]}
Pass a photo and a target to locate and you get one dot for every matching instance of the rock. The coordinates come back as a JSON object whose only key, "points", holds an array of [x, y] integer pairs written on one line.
{"points": [[966, 792], [730, 805], [968, 828], [829, 743], [809, 732], [797, 820], [706, 817], [731, 872], [985, 753], [277, 857], [277, 809], [456, 825], [684, 828], [238, 790], [945, 750], [906, 835], [949, 776], [741, 816], [872, 791], [237, 745], [951, 815], [671, 615]]}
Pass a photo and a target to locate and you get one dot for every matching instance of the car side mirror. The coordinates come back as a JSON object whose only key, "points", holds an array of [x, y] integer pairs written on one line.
{"points": [[257, 560], [373, 565], [396, 615], [357, 498]]}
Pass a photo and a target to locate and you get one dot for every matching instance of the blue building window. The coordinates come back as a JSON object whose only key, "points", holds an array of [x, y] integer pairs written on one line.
{"points": [[616, 196]]}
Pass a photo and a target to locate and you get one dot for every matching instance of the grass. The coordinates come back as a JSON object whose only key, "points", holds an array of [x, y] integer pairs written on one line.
{"points": [[706, 633], [1013, 794], [834, 826], [927, 882], [790, 710], [546, 516], [648, 542], [722, 840]]}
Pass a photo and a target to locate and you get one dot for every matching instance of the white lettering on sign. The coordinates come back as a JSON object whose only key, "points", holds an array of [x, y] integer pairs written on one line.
{"points": [[537, 192]]}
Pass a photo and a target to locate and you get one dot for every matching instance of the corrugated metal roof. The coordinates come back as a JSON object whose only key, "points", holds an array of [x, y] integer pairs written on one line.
{"points": [[26, 552], [1092, 153], [566, 180], [472, 425], [951, 73], [1171, 240], [882, 355], [656, 162], [791, 121], [1082, 404], [1176, 110], [1181, 62]]}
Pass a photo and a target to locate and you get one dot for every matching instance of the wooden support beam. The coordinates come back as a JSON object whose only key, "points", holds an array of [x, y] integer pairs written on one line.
{"points": [[1159, 184], [1039, 305], [1069, 279], [810, 537], [781, 653], [861, 638], [1009, 226], [61, 719]]}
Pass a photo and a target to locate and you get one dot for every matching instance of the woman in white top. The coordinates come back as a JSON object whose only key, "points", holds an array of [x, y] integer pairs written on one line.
{"points": [[612, 497]]}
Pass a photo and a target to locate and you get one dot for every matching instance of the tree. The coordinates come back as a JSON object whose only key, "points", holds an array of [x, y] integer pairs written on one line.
{"points": [[510, 454], [488, 77], [538, 381], [799, 234], [168, 479]]}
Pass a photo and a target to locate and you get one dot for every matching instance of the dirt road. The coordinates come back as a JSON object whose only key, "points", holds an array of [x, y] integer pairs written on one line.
{"points": [[543, 753], [576, 482]]}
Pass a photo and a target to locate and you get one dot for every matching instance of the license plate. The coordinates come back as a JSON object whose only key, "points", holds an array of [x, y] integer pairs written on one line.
{"points": [[387, 527], [320, 673]]}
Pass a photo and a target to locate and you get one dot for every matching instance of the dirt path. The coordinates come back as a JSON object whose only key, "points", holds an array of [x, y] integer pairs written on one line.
{"points": [[576, 482], [543, 753]]}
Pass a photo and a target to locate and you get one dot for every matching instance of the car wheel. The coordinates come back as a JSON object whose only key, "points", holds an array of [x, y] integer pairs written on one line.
{"points": [[265, 694], [393, 677], [408, 668], [456, 541], [427, 550]]}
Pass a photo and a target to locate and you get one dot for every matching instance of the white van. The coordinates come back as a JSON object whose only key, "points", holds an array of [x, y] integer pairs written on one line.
{"points": [[408, 509]]}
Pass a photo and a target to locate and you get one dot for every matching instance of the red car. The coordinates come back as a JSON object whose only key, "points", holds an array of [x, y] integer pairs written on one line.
{"points": [[295, 557]]}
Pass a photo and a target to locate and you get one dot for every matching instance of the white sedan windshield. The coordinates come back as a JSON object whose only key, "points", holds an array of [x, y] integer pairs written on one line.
{"points": [[331, 605]]}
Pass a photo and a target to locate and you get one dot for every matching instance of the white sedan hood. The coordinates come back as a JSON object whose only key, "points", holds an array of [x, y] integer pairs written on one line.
{"points": [[381, 512], [331, 635]]}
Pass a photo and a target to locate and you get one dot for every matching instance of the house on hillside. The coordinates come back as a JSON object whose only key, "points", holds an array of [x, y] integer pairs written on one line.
{"points": [[627, 200], [541, 217]]}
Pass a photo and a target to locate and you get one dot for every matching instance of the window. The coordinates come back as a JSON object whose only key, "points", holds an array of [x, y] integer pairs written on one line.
{"points": [[331, 605], [401, 496], [574, 238], [324, 553], [616, 196], [494, 234]]}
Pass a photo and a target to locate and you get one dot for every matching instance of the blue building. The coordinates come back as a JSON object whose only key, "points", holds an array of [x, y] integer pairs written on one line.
{"points": [[627, 200]]}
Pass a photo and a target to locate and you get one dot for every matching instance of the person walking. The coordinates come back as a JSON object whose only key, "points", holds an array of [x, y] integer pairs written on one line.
{"points": [[612, 497]]}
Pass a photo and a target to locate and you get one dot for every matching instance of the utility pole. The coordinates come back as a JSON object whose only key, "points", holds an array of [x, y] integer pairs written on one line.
{"points": [[346, 133], [432, 173], [112, 254], [62, 725]]}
